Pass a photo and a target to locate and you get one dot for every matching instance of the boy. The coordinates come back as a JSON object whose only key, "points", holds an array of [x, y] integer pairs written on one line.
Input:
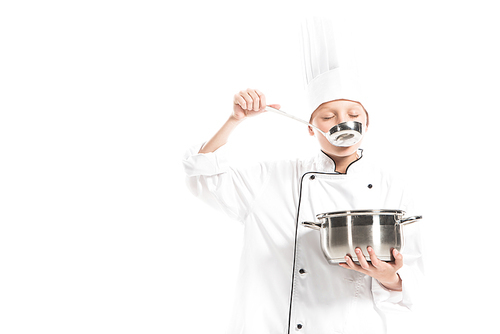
{"points": [[285, 284]]}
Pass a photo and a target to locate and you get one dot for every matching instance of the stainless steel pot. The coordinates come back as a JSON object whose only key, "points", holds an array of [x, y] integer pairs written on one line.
{"points": [[341, 232]]}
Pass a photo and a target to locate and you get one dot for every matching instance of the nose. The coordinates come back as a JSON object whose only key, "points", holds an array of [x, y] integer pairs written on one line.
{"points": [[342, 119]]}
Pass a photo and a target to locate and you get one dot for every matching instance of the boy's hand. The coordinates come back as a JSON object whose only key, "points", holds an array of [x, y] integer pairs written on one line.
{"points": [[384, 272], [248, 103]]}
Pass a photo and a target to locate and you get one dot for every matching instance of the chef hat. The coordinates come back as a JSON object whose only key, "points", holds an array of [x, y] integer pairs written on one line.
{"points": [[329, 64]]}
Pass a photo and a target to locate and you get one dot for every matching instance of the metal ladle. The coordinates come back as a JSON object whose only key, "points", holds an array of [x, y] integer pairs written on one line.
{"points": [[343, 134]]}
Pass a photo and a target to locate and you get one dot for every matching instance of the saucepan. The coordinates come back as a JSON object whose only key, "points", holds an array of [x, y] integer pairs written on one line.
{"points": [[342, 232], [343, 134]]}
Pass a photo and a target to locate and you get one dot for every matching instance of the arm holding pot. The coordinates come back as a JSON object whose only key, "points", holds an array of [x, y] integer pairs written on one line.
{"points": [[396, 285], [384, 272]]}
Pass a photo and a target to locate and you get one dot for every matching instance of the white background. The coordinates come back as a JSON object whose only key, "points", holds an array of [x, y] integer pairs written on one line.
{"points": [[99, 100]]}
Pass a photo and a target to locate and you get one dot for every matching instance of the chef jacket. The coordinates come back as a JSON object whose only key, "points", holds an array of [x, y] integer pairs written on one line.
{"points": [[285, 284]]}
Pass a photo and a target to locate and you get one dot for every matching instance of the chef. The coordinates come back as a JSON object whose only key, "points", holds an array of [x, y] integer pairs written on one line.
{"points": [[285, 284]]}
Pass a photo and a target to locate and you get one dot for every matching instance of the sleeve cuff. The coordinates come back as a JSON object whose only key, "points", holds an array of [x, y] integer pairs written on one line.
{"points": [[382, 295], [392, 301], [205, 163]]}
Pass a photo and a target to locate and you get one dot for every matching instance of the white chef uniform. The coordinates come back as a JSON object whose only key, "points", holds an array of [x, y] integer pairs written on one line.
{"points": [[285, 284]]}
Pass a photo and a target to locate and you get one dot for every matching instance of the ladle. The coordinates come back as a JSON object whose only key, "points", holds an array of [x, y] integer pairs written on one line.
{"points": [[343, 134]]}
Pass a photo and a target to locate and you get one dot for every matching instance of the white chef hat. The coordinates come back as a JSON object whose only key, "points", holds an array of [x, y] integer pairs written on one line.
{"points": [[329, 64]]}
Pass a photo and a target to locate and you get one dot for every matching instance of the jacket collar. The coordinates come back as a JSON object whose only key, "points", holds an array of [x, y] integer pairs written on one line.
{"points": [[326, 164]]}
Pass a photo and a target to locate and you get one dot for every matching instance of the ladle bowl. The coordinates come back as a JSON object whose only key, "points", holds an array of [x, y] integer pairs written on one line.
{"points": [[345, 134], [342, 135]]}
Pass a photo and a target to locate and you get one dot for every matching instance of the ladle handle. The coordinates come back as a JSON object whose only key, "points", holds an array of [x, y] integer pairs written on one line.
{"points": [[292, 117]]}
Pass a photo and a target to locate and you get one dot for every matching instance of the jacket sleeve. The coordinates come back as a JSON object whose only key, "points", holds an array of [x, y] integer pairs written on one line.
{"points": [[412, 271], [411, 274], [210, 177]]}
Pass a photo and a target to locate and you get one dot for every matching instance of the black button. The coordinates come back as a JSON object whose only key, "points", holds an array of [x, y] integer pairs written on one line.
{"points": [[313, 177], [302, 271], [299, 326], [370, 186]]}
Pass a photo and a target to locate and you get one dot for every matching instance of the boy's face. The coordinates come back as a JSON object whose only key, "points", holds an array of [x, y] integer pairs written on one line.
{"points": [[332, 113]]}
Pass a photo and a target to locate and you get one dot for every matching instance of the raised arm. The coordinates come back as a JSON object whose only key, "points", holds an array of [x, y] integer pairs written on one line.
{"points": [[246, 103]]}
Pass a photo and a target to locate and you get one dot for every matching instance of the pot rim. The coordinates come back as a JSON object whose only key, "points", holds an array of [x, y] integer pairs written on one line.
{"points": [[360, 213]]}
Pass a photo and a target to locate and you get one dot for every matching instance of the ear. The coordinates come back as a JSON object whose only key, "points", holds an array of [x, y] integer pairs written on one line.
{"points": [[311, 131]]}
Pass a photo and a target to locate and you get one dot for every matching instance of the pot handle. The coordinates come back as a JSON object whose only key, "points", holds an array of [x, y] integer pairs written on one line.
{"points": [[409, 220], [314, 226]]}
